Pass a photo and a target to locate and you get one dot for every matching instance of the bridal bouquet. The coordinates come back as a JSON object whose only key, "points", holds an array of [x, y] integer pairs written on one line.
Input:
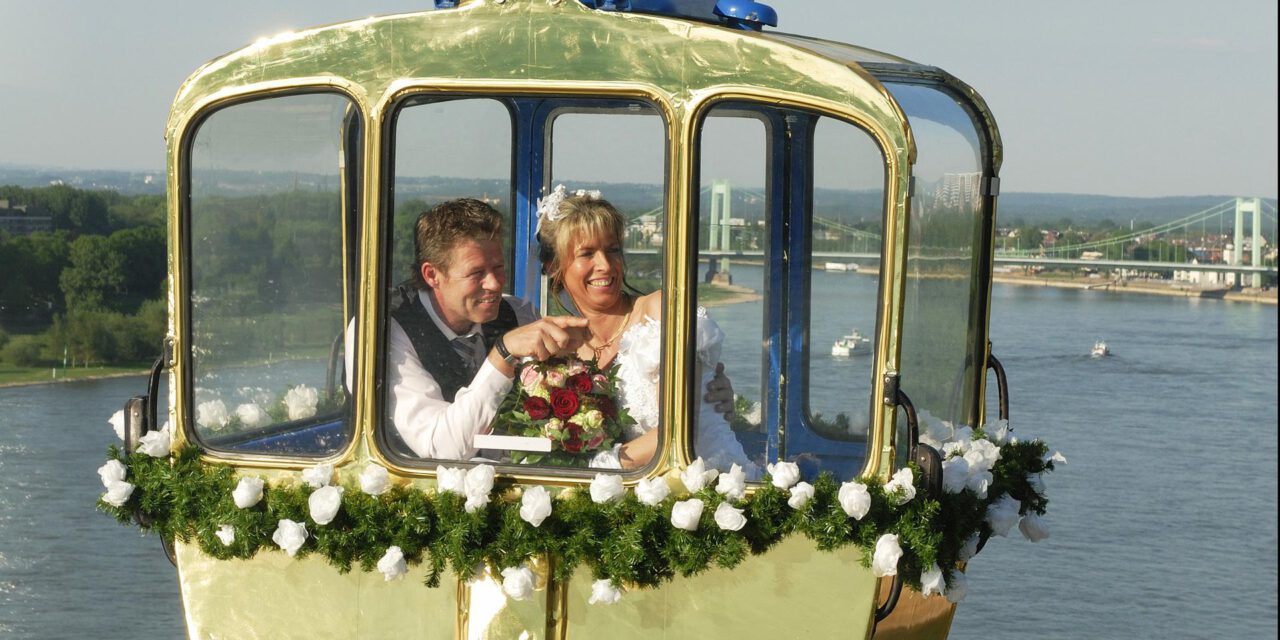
{"points": [[568, 401]]}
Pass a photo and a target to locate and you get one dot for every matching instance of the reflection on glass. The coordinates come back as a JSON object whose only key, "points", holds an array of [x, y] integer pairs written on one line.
{"points": [[269, 206]]}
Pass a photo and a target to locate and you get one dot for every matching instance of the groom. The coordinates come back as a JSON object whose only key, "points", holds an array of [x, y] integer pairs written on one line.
{"points": [[454, 341]]}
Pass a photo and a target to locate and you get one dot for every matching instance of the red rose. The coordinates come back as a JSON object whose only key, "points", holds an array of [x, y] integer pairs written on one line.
{"points": [[580, 382], [537, 408], [564, 403], [573, 438], [607, 407]]}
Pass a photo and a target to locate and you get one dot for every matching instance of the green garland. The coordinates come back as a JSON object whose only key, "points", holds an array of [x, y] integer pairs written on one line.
{"points": [[626, 541]]}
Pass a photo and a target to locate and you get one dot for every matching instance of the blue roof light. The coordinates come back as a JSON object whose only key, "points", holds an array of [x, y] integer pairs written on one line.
{"points": [[747, 15], [446, 4], [738, 14]]}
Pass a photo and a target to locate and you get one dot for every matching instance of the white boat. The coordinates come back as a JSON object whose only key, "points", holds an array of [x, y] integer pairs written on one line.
{"points": [[853, 344], [1100, 349]]}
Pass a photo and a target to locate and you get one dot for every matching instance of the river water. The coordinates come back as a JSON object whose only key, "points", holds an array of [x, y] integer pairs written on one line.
{"points": [[1163, 521]]}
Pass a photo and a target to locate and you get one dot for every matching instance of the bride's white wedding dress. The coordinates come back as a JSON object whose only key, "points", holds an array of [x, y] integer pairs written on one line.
{"points": [[639, 374]]}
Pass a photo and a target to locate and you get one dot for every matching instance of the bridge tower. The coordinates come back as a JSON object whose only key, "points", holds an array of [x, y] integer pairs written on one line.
{"points": [[1251, 206], [718, 240]]}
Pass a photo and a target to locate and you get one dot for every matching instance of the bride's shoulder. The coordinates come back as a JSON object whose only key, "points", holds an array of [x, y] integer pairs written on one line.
{"points": [[649, 305]]}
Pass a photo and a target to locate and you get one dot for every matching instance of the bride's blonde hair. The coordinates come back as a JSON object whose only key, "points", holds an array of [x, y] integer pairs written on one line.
{"points": [[579, 216]]}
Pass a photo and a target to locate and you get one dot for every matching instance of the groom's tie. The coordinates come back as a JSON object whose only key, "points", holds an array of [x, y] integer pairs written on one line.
{"points": [[468, 348]]}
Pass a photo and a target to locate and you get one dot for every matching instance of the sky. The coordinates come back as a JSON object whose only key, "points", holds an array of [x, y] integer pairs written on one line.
{"points": [[1117, 97]]}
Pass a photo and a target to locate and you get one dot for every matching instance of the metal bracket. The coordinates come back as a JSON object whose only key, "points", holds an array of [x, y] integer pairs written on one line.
{"points": [[890, 397], [991, 186]]}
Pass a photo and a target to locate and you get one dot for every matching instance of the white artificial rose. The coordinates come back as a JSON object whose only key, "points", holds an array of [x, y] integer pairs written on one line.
{"points": [[732, 483], [247, 492], [118, 492], [696, 475], [112, 471], [477, 484], [155, 443], [801, 494], [959, 583], [375, 480], [784, 474], [884, 562], [1054, 457], [970, 548], [606, 487], [979, 482], [212, 415], [999, 432], [963, 435], [1003, 514], [117, 423], [226, 533], [324, 504], [982, 455], [955, 474], [535, 505], [652, 491], [854, 499], [1033, 527], [603, 592], [318, 476], [451, 480], [729, 518], [252, 415], [931, 581], [685, 514], [392, 564], [517, 582], [289, 536], [301, 402], [901, 487]]}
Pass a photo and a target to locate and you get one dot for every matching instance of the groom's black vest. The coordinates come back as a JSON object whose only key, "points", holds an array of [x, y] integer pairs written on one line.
{"points": [[434, 351]]}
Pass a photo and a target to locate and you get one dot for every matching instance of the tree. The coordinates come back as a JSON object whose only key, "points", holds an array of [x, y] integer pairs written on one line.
{"points": [[95, 277]]}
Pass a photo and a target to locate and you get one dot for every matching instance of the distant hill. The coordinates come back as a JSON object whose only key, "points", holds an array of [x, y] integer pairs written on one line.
{"points": [[847, 206]]}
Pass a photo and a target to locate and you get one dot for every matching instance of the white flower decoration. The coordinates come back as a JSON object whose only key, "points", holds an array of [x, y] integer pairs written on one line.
{"points": [[685, 514], [1003, 514], [252, 415], [112, 471], [697, 475], [477, 484], [118, 492], [301, 402], [979, 482], [549, 205], [318, 476], [212, 415], [732, 483], [884, 561], [1054, 457], [535, 505], [982, 455], [451, 480], [603, 592], [375, 480], [959, 583], [226, 533], [931, 581], [248, 492], [854, 499], [784, 474], [517, 582], [1033, 527], [606, 487], [999, 432], [901, 487], [392, 564], [155, 443], [117, 423], [289, 536], [955, 474], [324, 504], [729, 518], [652, 491], [801, 494]]}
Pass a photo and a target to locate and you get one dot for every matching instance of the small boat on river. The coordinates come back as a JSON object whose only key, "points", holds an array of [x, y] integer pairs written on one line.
{"points": [[1100, 350], [854, 344]]}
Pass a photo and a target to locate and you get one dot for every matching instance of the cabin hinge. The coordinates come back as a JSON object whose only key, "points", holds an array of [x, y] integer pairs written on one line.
{"points": [[991, 186], [890, 397]]}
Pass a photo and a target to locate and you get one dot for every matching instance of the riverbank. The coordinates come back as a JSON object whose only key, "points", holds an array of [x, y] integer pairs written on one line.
{"points": [[1140, 286], [26, 376]]}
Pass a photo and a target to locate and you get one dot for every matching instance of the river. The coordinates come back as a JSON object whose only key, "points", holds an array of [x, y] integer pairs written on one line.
{"points": [[1163, 521]]}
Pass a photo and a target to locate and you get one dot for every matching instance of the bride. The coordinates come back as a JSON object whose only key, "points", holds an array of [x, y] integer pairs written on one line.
{"points": [[580, 238]]}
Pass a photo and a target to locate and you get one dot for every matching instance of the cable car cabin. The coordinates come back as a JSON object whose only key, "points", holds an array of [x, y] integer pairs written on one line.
{"points": [[789, 189]]}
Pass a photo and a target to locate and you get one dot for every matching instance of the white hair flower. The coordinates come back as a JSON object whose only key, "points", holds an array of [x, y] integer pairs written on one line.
{"points": [[549, 205]]}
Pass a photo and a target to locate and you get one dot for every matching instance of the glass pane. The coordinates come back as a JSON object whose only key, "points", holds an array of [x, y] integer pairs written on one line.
{"points": [[444, 150], [733, 240], [271, 206], [943, 305]]}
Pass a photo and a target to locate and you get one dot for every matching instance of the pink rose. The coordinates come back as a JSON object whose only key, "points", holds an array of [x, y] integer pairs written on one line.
{"points": [[596, 439], [576, 367], [599, 381], [529, 378], [555, 379]]}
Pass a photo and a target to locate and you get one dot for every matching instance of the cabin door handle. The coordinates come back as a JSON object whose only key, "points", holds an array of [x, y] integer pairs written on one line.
{"points": [[1002, 384], [925, 456], [887, 608]]}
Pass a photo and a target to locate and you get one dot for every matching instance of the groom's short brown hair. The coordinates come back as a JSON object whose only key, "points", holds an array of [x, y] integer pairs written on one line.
{"points": [[440, 228]]}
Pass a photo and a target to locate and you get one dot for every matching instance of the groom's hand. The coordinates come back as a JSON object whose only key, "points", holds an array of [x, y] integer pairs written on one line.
{"points": [[547, 337], [720, 391]]}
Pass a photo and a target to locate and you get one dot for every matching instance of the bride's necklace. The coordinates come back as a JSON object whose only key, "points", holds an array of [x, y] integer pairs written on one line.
{"points": [[596, 351]]}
